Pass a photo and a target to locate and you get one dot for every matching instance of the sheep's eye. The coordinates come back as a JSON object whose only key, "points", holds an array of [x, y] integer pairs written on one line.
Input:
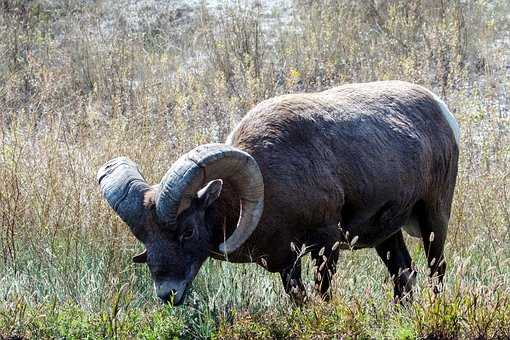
{"points": [[188, 233]]}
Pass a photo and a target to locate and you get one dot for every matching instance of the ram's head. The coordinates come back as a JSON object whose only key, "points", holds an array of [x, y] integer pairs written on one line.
{"points": [[173, 219]]}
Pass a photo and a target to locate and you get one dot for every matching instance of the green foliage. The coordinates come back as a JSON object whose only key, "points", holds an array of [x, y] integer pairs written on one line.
{"points": [[70, 320], [83, 82]]}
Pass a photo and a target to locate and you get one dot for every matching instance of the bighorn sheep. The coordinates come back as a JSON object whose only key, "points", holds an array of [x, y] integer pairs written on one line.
{"points": [[350, 166]]}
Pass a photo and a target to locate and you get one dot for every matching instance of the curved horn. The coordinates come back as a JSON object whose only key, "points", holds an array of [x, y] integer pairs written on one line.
{"points": [[123, 186], [206, 163]]}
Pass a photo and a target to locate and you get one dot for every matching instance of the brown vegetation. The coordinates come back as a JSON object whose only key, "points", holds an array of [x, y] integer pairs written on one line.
{"points": [[82, 82]]}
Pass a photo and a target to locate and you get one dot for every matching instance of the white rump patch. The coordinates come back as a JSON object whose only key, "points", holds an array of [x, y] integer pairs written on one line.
{"points": [[454, 125]]}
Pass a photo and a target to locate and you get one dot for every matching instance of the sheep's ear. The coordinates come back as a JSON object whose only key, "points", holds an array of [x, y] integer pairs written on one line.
{"points": [[210, 193], [140, 258]]}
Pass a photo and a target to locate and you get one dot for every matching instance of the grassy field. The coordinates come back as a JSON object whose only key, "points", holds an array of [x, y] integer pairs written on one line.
{"points": [[82, 82]]}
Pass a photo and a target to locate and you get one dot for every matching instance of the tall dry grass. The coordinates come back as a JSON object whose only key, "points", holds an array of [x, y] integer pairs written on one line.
{"points": [[82, 82]]}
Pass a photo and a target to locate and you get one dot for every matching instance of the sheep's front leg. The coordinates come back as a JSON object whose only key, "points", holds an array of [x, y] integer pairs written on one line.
{"points": [[291, 278], [325, 259]]}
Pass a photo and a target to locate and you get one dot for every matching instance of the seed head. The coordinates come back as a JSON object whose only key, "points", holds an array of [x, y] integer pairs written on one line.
{"points": [[354, 240]]}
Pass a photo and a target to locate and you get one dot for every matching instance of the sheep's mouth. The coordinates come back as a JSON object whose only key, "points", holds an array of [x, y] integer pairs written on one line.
{"points": [[184, 294], [176, 300]]}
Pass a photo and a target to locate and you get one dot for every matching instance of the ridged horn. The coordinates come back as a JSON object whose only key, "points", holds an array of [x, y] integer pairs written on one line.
{"points": [[205, 163], [123, 187]]}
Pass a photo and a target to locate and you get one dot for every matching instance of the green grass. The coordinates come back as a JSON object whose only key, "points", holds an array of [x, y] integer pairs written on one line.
{"points": [[232, 301], [80, 85]]}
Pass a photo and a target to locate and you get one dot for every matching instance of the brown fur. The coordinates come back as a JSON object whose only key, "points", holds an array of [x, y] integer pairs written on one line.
{"points": [[367, 156]]}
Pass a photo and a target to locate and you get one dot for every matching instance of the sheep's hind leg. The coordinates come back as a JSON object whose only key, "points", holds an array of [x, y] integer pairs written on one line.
{"points": [[434, 227], [393, 252], [291, 278]]}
